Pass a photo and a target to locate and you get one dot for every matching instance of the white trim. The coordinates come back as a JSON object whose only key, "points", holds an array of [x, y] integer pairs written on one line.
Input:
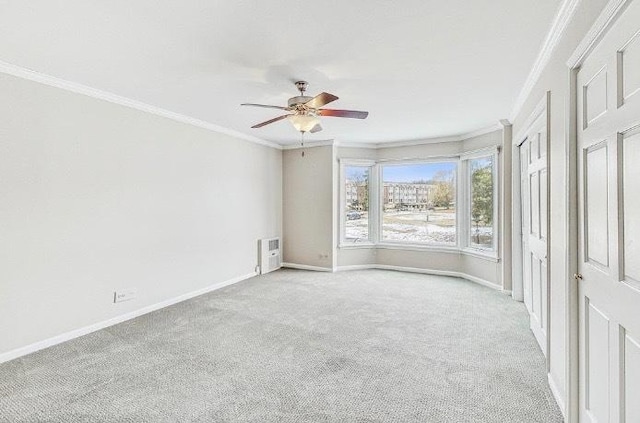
{"points": [[432, 248], [36, 346], [480, 152], [342, 203], [411, 143], [356, 245], [20, 72], [307, 267], [428, 248], [466, 220], [356, 162], [490, 255], [401, 161], [462, 275], [609, 14], [541, 107], [558, 27], [356, 267], [354, 144], [571, 284], [309, 144], [482, 131], [556, 395]]}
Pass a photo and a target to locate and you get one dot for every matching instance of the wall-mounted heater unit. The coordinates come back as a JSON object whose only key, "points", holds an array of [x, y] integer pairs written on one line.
{"points": [[269, 255]]}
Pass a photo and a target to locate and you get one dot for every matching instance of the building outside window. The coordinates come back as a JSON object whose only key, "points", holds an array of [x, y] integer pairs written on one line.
{"points": [[357, 203], [419, 203]]}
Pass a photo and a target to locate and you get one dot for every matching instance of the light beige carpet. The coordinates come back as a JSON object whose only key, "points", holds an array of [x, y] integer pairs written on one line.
{"points": [[296, 346]]}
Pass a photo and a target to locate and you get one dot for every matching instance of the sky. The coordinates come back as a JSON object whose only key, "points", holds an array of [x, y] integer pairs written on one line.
{"points": [[415, 172], [356, 173]]}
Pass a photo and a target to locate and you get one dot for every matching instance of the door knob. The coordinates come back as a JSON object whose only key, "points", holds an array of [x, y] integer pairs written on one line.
{"points": [[577, 276]]}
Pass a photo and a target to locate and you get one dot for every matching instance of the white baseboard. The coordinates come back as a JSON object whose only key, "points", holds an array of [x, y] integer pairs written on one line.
{"points": [[423, 271], [356, 267], [556, 394], [307, 267], [36, 346]]}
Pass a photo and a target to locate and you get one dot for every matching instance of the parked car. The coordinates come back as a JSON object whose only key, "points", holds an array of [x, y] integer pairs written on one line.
{"points": [[354, 215]]}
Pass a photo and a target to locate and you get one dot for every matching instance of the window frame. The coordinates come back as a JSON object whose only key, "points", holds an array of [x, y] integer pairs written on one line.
{"points": [[463, 205], [371, 165], [468, 247], [417, 244]]}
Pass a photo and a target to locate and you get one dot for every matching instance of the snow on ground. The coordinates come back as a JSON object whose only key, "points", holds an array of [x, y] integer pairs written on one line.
{"points": [[428, 233], [414, 227]]}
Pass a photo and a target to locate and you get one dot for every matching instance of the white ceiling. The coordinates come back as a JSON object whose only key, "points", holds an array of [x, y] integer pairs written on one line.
{"points": [[422, 68]]}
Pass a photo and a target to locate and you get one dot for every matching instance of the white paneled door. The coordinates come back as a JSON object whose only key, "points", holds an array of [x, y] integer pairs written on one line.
{"points": [[535, 219], [609, 235]]}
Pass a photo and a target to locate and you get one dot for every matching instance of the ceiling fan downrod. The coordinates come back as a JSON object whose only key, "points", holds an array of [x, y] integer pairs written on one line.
{"points": [[302, 86]]}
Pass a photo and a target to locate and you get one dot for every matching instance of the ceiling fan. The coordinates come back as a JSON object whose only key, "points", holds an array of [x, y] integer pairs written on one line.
{"points": [[305, 110]]}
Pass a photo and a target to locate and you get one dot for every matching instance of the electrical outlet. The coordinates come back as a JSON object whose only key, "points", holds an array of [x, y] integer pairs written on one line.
{"points": [[124, 295]]}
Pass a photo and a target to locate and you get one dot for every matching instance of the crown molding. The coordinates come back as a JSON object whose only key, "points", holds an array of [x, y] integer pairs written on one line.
{"points": [[31, 75], [609, 14], [558, 27], [482, 131], [411, 143], [352, 144]]}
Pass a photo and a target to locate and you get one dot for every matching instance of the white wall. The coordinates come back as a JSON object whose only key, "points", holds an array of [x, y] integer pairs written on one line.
{"points": [[479, 268], [308, 205], [96, 197], [555, 78]]}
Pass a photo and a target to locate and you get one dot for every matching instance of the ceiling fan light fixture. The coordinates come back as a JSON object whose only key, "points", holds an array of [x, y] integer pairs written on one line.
{"points": [[304, 123]]}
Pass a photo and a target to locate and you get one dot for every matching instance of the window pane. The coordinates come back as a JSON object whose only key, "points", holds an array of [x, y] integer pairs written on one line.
{"points": [[356, 204], [481, 173], [419, 203]]}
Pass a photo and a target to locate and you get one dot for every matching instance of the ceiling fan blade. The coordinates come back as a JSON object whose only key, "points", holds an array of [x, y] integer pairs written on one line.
{"points": [[354, 114], [316, 128], [266, 106], [260, 125], [320, 100]]}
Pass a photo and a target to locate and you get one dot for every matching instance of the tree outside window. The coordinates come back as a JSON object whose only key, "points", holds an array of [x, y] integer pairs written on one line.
{"points": [[481, 181]]}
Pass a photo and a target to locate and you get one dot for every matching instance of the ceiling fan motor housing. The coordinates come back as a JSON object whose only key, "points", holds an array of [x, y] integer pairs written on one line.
{"points": [[300, 99]]}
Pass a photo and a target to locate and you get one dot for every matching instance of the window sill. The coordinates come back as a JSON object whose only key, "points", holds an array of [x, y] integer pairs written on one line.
{"points": [[484, 255], [419, 247], [356, 245]]}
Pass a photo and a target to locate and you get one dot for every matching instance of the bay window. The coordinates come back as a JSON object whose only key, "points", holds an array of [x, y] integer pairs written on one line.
{"points": [[447, 203]]}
